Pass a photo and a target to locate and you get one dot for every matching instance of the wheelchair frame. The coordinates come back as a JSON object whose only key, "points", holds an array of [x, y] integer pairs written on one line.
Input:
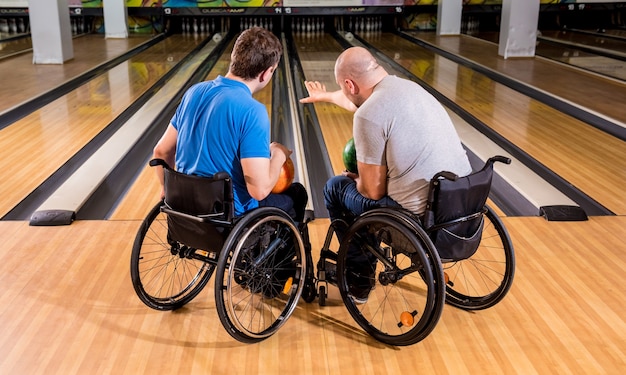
{"points": [[409, 282], [262, 260], [263, 265]]}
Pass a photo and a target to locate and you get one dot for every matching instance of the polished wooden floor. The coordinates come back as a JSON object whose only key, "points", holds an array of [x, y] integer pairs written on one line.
{"points": [[67, 305]]}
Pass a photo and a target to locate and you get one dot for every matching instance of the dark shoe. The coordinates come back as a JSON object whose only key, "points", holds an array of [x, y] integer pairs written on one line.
{"points": [[360, 295], [361, 272], [361, 283]]}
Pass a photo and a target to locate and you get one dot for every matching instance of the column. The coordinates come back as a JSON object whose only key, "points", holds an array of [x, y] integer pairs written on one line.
{"points": [[449, 14], [50, 31], [518, 28], [115, 19]]}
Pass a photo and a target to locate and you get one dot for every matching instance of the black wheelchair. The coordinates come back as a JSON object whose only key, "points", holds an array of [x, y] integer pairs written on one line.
{"points": [[262, 260], [395, 270]]}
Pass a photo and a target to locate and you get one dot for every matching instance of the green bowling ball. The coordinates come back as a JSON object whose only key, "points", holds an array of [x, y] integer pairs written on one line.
{"points": [[349, 156]]}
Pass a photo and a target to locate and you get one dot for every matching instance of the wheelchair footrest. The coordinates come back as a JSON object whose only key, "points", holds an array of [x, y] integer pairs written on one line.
{"points": [[327, 272]]}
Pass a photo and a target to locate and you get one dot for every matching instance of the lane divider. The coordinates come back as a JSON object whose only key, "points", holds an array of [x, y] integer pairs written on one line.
{"points": [[296, 127]]}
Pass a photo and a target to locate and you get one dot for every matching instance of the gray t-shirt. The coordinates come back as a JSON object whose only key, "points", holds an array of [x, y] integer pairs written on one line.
{"points": [[403, 126]]}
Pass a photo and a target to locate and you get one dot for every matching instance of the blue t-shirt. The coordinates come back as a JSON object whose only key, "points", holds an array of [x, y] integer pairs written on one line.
{"points": [[219, 123]]}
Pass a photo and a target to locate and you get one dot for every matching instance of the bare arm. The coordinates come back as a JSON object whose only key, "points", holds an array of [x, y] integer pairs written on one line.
{"points": [[371, 182], [261, 174], [317, 93], [166, 150]]}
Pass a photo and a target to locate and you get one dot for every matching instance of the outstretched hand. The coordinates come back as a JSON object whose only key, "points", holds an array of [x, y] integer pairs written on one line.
{"points": [[317, 92]]}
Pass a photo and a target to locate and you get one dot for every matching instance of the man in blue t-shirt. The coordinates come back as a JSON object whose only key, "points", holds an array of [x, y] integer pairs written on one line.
{"points": [[219, 126]]}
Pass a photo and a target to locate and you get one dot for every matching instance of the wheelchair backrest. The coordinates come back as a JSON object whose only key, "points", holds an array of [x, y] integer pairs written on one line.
{"points": [[455, 208], [200, 209]]}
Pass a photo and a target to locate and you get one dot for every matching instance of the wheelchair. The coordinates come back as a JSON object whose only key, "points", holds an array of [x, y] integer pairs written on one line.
{"points": [[261, 260], [396, 270]]}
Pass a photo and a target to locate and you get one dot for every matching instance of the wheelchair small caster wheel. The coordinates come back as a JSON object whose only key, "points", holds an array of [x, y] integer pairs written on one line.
{"points": [[322, 296]]}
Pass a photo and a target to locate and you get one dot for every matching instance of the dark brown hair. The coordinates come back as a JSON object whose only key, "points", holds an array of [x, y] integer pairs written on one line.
{"points": [[255, 50]]}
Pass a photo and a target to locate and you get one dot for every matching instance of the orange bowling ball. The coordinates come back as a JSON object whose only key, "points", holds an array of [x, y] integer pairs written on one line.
{"points": [[285, 179]]}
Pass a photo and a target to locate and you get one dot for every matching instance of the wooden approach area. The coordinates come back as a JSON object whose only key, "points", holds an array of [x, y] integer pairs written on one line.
{"points": [[67, 306]]}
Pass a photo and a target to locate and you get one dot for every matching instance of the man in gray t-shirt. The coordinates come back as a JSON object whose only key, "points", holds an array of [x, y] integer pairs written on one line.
{"points": [[403, 137], [402, 134]]}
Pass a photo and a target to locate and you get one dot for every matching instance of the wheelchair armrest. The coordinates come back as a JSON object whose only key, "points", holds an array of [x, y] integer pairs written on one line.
{"points": [[501, 159], [445, 174], [159, 162]]}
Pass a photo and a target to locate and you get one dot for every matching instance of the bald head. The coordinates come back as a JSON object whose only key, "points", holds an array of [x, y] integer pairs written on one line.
{"points": [[358, 64], [357, 72]]}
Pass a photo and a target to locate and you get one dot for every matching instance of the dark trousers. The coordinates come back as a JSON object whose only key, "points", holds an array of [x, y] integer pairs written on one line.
{"points": [[343, 201], [293, 201]]}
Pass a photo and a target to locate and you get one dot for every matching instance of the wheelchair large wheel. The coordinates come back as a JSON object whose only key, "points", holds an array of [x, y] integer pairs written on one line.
{"points": [[260, 275], [482, 280], [394, 259], [166, 274]]}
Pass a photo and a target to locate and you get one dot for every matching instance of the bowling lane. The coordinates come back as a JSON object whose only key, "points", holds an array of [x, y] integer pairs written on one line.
{"points": [[607, 66], [586, 90], [610, 67], [594, 41], [588, 158], [14, 46], [318, 53], [565, 53], [593, 52], [22, 80], [34, 147], [615, 33]]}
